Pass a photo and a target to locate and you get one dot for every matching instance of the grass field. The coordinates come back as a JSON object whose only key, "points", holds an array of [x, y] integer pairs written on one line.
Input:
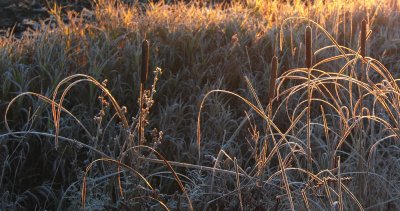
{"points": [[248, 105]]}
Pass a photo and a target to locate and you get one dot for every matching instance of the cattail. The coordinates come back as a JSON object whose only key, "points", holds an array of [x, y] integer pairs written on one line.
{"points": [[281, 40], [308, 47], [143, 78], [145, 61], [272, 77], [363, 37], [309, 91]]}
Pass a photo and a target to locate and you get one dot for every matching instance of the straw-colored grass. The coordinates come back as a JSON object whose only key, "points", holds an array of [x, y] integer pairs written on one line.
{"points": [[85, 125]]}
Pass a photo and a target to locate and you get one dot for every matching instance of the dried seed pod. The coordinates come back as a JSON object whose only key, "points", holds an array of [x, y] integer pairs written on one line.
{"points": [[145, 61], [308, 47], [272, 77], [363, 38]]}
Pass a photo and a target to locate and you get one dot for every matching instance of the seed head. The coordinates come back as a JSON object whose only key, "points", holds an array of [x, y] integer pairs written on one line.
{"points": [[308, 47], [363, 37], [272, 77], [145, 61]]}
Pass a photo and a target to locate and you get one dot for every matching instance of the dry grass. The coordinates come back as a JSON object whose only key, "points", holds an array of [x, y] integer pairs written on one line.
{"points": [[198, 136]]}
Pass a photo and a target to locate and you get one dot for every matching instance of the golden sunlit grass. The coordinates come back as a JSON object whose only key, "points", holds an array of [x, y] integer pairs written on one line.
{"points": [[260, 105]]}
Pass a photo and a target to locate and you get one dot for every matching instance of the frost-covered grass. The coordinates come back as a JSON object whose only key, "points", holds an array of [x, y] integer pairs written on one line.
{"points": [[214, 136]]}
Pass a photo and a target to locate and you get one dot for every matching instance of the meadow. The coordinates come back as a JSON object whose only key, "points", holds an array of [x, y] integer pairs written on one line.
{"points": [[247, 105]]}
